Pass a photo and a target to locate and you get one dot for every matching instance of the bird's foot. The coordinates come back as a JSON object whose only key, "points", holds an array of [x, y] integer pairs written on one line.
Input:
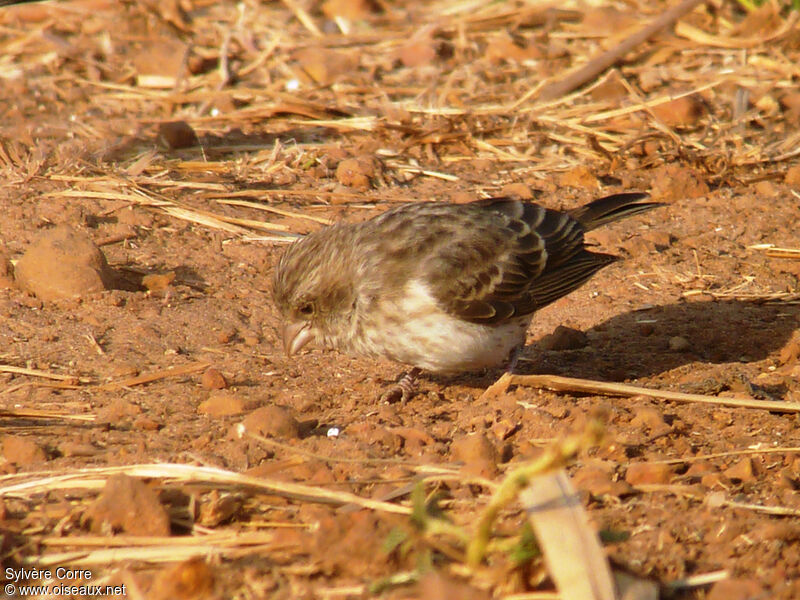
{"points": [[500, 387], [404, 389], [513, 358]]}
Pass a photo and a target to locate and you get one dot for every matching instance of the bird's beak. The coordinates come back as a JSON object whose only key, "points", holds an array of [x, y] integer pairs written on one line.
{"points": [[295, 336]]}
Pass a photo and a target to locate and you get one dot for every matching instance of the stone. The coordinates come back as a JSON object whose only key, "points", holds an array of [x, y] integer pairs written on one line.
{"points": [[63, 263]]}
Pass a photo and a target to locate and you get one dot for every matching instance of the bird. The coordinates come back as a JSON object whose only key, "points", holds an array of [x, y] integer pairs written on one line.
{"points": [[443, 288]]}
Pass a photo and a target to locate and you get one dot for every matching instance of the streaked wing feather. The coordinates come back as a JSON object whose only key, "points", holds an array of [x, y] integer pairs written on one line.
{"points": [[506, 258], [534, 241], [557, 283]]}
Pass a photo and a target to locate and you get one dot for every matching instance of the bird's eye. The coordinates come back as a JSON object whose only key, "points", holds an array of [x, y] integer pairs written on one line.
{"points": [[306, 309]]}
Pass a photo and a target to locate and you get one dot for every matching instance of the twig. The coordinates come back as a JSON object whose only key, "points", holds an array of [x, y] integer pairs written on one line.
{"points": [[588, 386], [95, 478], [44, 374], [150, 377], [600, 63], [303, 17], [28, 413]]}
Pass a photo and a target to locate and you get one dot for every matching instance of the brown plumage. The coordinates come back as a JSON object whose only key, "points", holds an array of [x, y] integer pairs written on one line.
{"points": [[441, 287]]}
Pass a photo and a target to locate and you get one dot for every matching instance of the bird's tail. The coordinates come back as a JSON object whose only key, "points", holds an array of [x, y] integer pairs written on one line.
{"points": [[612, 208]]}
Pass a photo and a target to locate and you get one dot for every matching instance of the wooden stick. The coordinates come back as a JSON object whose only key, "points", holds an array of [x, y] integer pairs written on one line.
{"points": [[588, 386], [600, 63], [155, 376], [43, 374], [28, 413]]}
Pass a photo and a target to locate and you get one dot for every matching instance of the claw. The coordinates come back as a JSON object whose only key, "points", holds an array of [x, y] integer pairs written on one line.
{"points": [[404, 389]]}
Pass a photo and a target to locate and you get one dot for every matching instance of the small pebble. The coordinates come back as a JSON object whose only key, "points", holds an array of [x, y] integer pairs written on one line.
{"points": [[177, 134], [743, 471], [21, 450], [63, 263], [274, 421], [212, 379], [128, 504], [478, 454], [564, 338], [222, 404], [678, 344], [644, 473], [356, 173], [737, 589]]}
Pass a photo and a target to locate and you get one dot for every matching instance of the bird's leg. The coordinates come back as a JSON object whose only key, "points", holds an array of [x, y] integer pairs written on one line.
{"points": [[513, 358], [404, 389], [500, 386]]}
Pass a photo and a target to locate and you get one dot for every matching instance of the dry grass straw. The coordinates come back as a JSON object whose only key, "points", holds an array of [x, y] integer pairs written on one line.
{"points": [[603, 388], [117, 549], [27, 484], [455, 112]]}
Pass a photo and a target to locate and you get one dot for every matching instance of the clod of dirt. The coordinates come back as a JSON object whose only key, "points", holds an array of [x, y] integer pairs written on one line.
{"points": [[437, 586], [187, 580], [644, 473], [681, 112], [766, 189], [324, 65], [611, 89], [177, 134], [518, 189], [781, 530], [158, 282], [273, 421], [700, 469], [579, 177], [790, 103], [145, 423], [791, 351], [715, 481], [354, 10], [737, 589], [564, 338], [598, 481], [118, 411], [222, 404], [477, 453], [653, 419], [362, 533], [250, 338], [792, 176], [212, 379], [120, 369], [679, 344], [503, 48], [226, 334], [6, 272], [217, 508], [63, 263], [420, 50], [22, 451], [126, 504], [70, 448], [674, 182], [356, 172], [657, 240], [743, 471]]}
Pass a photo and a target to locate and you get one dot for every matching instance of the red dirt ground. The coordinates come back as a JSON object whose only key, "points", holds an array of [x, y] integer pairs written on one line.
{"points": [[692, 308]]}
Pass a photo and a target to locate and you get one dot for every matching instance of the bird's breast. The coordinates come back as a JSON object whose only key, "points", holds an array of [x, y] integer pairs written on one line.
{"points": [[413, 329]]}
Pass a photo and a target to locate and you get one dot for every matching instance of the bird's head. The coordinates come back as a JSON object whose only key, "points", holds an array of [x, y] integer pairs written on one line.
{"points": [[314, 289]]}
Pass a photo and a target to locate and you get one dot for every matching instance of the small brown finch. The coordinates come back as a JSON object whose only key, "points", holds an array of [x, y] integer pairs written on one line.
{"points": [[441, 287]]}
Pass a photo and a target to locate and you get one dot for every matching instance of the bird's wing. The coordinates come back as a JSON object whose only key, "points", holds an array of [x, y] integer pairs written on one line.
{"points": [[508, 258]]}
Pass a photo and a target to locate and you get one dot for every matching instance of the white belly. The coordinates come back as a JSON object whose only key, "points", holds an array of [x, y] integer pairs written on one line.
{"points": [[421, 335]]}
